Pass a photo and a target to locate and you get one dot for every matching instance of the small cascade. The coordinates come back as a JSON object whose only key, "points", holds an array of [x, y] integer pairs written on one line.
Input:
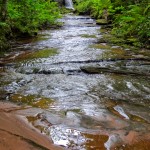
{"points": [[69, 4]]}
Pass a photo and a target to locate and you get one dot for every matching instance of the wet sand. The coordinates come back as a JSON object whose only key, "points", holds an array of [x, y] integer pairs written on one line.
{"points": [[16, 133]]}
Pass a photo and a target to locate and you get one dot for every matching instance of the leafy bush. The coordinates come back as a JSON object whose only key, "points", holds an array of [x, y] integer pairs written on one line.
{"points": [[25, 17], [132, 22], [131, 19], [28, 15], [83, 6], [100, 7], [93, 7], [4, 30]]}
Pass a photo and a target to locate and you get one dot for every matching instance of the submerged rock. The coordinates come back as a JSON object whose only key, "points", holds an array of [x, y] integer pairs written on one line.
{"points": [[124, 71]]}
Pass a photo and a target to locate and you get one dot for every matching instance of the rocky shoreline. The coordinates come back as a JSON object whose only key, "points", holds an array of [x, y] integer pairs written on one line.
{"points": [[14, 130]]}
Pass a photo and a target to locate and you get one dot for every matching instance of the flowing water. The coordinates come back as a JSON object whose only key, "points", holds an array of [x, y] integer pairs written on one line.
{"points": [[69, 4], [80, 110]]}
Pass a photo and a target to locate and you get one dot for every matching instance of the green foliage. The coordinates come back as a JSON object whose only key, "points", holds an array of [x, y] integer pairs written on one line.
{"points": [[131, 19], [4, 26], [28, 15], [132, 22], [4, 30], [100, 7], [18, 17], [83, 6], [94, 7]]}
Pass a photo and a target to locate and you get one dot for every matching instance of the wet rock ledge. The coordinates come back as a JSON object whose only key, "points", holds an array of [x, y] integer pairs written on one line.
{"points": [[14, 130]]}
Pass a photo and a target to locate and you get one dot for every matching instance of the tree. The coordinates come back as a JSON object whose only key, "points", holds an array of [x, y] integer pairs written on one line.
{"points": [[3, 10]]}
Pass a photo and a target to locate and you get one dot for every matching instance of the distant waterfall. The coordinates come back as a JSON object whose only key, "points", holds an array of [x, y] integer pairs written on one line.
{"points": [[69, 4]]}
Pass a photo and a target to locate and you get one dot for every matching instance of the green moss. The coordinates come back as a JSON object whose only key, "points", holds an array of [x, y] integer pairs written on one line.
{"points": [[36, 70], [45, 53], [100, 46], [111, 39], [88, 36], [75, 110], [103, 30], [114, 53], [33, 100], [107, 51], [101, 22], [64, 10], [40, 38]]}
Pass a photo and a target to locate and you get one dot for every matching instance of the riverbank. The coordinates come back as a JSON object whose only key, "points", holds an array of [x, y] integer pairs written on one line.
{"points": [[78, 108], [129, 21], [25, 19]]}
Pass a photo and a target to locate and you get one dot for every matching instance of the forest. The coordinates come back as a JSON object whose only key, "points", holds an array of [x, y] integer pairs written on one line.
{"points": [[74, 74], [25, 18], [129, 19]]}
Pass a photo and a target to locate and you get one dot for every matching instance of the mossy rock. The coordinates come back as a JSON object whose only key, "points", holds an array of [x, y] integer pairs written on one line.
{"points": [[100, 46], [92, 69], [45, 53], [32, 100], [108, 38], [88, 36], [101, 22]]}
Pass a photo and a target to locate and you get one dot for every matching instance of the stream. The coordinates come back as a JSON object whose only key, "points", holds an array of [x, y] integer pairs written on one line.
{"points": [[67, 93]]}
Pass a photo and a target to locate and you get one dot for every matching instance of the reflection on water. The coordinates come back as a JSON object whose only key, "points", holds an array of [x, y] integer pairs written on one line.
{"points": [[121, 111], [78, 110], [74, 139]]}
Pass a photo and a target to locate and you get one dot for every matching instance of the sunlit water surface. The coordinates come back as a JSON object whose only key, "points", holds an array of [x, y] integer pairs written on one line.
{"points": [[79, 111]]}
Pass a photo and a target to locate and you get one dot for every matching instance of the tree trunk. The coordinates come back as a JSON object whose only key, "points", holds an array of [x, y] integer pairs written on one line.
{"points": [[3, 10]]}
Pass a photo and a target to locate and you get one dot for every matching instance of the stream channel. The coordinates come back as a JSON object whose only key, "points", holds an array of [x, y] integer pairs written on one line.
{"points": [[77, 101]]}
